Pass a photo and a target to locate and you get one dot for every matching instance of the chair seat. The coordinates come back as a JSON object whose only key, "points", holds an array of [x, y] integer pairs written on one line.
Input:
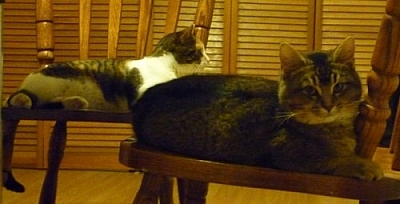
{"points": [[65, 115], [147, 159]]}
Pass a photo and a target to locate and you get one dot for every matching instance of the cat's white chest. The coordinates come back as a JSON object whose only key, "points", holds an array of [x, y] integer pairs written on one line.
{"points": [[154, 70]]}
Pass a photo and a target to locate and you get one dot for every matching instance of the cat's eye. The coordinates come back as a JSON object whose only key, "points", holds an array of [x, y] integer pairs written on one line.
{"points": [[339, 87], [191, 52], [310, 91]]}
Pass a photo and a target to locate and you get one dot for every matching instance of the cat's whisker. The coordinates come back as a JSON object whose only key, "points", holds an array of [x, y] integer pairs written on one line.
{"points": [[284, 116], [352, 103]]}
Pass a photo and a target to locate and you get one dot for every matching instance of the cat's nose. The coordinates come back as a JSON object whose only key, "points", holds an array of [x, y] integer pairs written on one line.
{"points": [[327, 102], [328, 106]]}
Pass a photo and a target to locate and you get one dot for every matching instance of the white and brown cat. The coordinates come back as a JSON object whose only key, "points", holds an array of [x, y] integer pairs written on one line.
{"points": [[110, 84]]}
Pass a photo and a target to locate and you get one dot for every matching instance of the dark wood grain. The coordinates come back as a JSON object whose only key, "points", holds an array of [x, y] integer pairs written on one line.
{"points": [[66, 115], [150, 160]]}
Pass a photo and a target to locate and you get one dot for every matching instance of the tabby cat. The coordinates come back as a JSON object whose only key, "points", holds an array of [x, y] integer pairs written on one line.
{"points": [[110, 84], [303, 123]]}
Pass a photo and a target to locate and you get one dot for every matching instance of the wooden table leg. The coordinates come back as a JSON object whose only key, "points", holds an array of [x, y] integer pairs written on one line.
{"points": [[56, 152], [9, 128]]}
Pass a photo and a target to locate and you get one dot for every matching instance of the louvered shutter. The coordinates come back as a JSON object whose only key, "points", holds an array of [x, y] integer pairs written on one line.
{"points": [[260, 28], [360, 19], [92, 145], [19, 48]]}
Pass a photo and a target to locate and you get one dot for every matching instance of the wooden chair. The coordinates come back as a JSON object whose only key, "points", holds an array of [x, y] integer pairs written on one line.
{"points": [[194, 175], [395, 140], [45, 48]]}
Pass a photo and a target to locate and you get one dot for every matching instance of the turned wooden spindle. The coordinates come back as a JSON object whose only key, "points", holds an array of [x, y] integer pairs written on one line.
{"points": [[44, 32], [45, 56], [203, 19], [383, 81]]}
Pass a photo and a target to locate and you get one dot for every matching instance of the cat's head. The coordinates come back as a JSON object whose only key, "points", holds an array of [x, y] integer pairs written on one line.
{"points": [[319, 87], [186, 48]]}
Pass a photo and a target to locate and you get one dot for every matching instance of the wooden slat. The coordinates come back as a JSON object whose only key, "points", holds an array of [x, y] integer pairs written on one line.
{"points": [[173, 12], [261, 27], [342, 18], [114, 22], [84, 28], [145, 18]]}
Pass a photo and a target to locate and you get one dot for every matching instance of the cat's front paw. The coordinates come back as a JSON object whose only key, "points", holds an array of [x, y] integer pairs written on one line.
{"points": [[360, 168], [370, 171]]}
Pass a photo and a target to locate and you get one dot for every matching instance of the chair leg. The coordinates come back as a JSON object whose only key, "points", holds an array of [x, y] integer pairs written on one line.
{"points": [[56, 152], [9, 128], [192, 192], [380, 202], [371, 202], [166, 190], [149, 191]]}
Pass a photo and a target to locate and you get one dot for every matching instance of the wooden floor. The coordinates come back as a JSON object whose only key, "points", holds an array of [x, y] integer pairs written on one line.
{"points": [[97, 187]]}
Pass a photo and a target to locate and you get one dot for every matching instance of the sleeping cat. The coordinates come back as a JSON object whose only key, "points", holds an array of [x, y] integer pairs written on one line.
{"points": [[303, 123], [110, 84], [107, 84]]}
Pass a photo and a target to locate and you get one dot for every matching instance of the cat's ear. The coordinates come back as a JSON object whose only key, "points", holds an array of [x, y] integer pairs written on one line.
{"points": [[344, 53], [290, 58], [188, 33]]}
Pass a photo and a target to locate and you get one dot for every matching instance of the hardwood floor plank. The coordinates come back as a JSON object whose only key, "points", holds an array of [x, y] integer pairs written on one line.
{"points": [[97, 187]]}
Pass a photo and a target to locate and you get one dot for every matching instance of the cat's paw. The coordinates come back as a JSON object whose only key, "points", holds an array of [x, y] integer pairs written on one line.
{"points": [[75, 103], [20, 100], [361, 168], [370, 171]]}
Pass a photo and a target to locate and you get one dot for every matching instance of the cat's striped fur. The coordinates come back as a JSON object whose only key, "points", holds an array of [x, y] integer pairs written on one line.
{"points": [[110, 84], [303, 123]]}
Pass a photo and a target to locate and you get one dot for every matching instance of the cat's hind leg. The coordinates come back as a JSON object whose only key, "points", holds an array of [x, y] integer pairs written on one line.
{"points": [[72, 102], [21, 99]]}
